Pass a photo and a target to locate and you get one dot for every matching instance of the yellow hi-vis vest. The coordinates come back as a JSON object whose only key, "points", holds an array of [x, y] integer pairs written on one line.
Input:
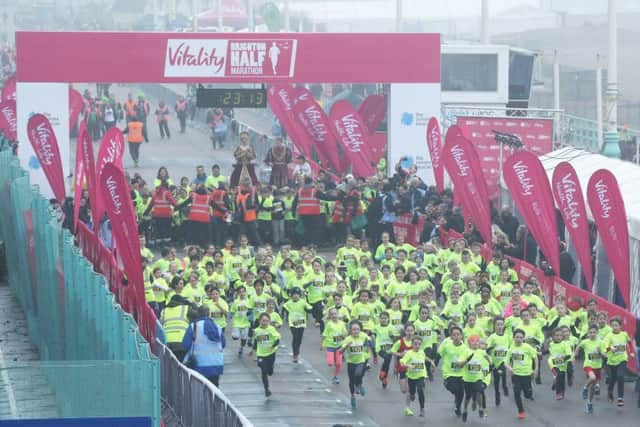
{"points": [[175, 322]]}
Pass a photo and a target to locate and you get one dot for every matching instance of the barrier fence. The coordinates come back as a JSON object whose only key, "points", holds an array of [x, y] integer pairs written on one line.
{"points": [[194, 399], [92, 354]]}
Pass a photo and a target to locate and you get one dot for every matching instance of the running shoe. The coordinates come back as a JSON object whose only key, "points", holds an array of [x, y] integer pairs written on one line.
{"points": [[464, 417], [353, 402], [408, 412], [559, 396], [335, 380], [295, 359], [585, 393], [589, 408], [597, 390], [421, 413], [362, 390], [620, 402], [485, 413], [521, 415], [457, 412], [267, 393]]}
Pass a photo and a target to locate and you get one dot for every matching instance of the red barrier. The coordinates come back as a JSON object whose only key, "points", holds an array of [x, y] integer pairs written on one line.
{"points": [[105, 263], [553, 286]]}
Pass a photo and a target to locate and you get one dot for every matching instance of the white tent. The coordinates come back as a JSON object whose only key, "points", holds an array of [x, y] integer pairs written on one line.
{"points": [[585, 164], [628, 176]]}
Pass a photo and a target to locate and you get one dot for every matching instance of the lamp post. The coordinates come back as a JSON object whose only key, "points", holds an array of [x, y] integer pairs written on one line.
{"points": [[484, 22], [611, 147], [510, 141]]}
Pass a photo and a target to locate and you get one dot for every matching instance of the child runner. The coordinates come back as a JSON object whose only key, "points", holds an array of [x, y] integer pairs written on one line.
{"points": [[522, 363], [415, 361], [473, 375], [454, 353], [266, 340], [384, 342], [333, 335], [498, 345], [559, 355], [296, 309], [399, 349], [240, 321], [617, 356], [594, 350], [356, 346]]}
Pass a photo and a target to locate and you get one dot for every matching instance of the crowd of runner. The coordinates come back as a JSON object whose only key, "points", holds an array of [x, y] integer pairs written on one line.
{"points": [[381, 305]]}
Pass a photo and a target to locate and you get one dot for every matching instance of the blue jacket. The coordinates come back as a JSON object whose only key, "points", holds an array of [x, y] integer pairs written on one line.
{"points": [[206, 348]]}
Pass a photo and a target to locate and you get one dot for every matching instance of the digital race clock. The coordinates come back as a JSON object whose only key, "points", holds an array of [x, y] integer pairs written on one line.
{"points": [[231, 98]]}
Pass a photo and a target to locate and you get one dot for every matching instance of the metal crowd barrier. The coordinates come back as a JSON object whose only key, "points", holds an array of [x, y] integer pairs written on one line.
{"points": [[93, 357], [196, 401]]}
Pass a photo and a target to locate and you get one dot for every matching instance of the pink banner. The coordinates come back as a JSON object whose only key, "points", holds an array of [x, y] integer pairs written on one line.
{"points": [[9, 89], [280, 99], [463, 166], [535, 134], [78, 177], [119, 207], [90, 173], [228, 57], [529, 187], [568, 193], [8, 121], [350, 131], [314, 123], [609, 215], [45, 145], [434, 143], [373, 110], [111, 151], [76, 102], [404, 226]]}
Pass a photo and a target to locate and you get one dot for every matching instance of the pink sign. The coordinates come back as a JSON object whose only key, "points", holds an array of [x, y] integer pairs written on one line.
{"points": [[609, 214], [9, 90], [463, 166], [280, 99], [373, 110], [228, 57], [535, 134], [8, 121], [404, 226], [110, 151], [76, 102], [86, 151], [568, 194], [314, 122], [45, 145], [119, 207], [528, 184], [351, 133], [434, 143], [78, 177]]}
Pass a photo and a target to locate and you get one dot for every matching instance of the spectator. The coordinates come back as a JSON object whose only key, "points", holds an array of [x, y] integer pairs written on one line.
{"points": [[203, 343]]}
